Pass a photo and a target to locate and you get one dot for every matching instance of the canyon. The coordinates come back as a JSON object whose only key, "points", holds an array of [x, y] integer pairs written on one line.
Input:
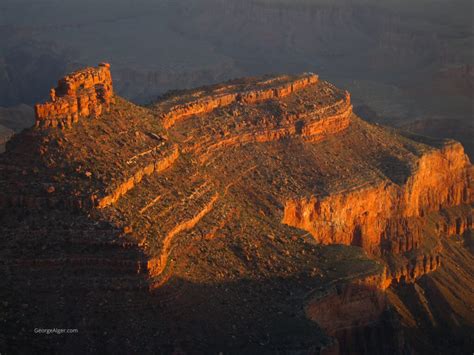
{"points": [[257, 215]]}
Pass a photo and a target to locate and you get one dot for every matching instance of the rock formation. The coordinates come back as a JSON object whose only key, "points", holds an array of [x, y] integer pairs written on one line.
{"points": [[236, 206], [82, 94], [383, 218], [203, 102]]}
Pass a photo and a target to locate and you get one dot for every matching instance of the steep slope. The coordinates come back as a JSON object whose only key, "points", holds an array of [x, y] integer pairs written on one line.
{"points": [[256, 215], [440, 304]]}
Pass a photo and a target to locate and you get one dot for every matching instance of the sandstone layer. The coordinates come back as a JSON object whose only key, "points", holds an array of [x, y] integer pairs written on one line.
{"points": [[81, 94], [385, 218], [247, 92]]}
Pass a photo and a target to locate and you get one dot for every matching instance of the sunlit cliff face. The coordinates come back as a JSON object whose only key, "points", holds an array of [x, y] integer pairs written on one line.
{"points": [[362, 217]]}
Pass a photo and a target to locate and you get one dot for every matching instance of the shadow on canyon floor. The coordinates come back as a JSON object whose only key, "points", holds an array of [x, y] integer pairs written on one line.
{"points": [[248, 316], [71, 272]]}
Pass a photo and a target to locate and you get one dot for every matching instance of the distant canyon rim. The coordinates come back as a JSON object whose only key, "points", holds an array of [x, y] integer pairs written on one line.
{"points": [[406, 65]]}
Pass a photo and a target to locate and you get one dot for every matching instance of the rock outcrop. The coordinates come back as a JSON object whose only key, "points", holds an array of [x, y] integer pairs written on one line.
{"points": [[355, 313], [123, 187], [204, 102], [312, 126], [85, 93], [386, 218], [348, 305]]}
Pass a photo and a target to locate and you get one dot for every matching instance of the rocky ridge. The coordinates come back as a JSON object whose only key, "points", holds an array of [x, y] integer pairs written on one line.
{"points": [[270, 187]]}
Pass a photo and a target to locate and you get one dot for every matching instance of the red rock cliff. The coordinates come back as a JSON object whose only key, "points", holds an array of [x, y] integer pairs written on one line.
{"points": [[277, 88], [387, 217], [85, 93]]}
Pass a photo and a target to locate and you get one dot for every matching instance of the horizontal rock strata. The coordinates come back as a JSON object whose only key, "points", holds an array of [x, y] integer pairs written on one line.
{"points": [[312, 127], [157, 265], [82, 94], [274, 89], [386, 218], [129, 184]]}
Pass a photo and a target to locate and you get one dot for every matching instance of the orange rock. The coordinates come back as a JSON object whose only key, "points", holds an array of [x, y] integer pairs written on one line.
{"points": [[85, 93], [388, 217], [233, 94]]}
